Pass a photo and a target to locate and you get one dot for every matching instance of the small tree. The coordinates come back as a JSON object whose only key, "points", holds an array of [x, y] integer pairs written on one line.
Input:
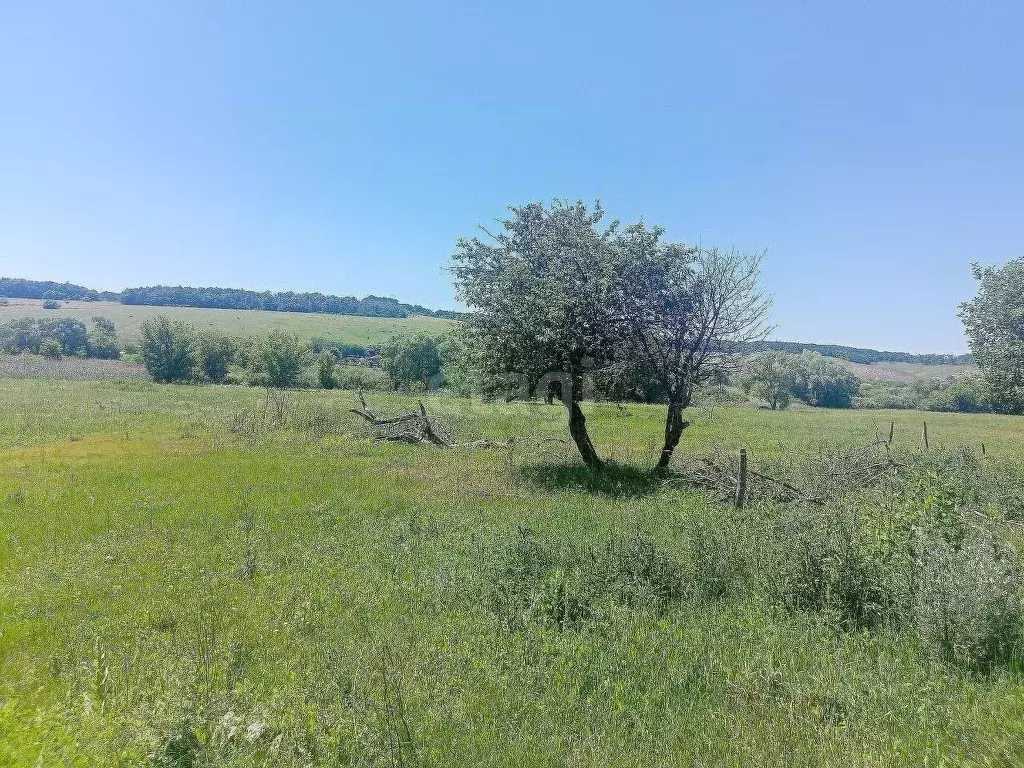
{"points": [[279, 360], [994, 322], [216, 353], [102, 340], [51, 348], [168, 350], [771, 376], [409, 360], [541, 289], [825, 383], [325, 370], [682, 312], [458, 362], [71, 333]]}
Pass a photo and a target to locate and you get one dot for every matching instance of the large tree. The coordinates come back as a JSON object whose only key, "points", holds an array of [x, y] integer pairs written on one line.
{"points": [[994, 321], [541, 289], [681, 312]]}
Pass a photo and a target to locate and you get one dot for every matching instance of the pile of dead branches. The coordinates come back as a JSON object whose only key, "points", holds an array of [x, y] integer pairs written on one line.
{"points": [[828, 475]]}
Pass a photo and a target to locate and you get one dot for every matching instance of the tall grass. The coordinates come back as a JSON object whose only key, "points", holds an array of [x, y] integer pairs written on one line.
{"points": [[176, 594]]}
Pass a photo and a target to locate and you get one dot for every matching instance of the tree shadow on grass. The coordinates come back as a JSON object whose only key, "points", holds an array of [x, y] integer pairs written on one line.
{"points": [[616, 480]]}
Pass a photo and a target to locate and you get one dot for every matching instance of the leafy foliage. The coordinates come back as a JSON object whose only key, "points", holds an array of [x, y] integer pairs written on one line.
{"points": [[279, 360], [825, 383], [168, 350], [325, 366], [542, 290], [216, 354], [994, 322], [410, 360], [102, 340], [771, 376], [28, 334]]}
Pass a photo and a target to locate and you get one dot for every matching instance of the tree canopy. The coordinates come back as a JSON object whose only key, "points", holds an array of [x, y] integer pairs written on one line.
{"points": [[994, 322]]}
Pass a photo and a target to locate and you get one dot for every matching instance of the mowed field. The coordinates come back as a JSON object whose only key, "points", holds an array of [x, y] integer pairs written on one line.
{"points": [[128, 320], [908, 372], [175, 591]]}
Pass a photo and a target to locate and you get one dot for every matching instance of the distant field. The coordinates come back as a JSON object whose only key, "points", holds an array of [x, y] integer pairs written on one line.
{"points": [[128, 319], [907, 372]]}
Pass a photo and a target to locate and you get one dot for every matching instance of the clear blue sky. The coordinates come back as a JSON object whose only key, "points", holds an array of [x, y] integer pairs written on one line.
{"points": [[874, 149]]}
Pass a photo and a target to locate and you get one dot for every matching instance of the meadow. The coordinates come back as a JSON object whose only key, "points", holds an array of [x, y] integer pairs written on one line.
{"points": [[179, 588], [128, 319]]}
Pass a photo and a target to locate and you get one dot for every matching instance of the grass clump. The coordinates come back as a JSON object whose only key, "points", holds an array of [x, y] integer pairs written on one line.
{"points": [[535, 580]]}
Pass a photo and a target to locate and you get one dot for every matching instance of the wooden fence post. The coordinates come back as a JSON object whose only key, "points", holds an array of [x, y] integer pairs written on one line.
{"points": [[924, 435], [892, 431], [741, 481]]}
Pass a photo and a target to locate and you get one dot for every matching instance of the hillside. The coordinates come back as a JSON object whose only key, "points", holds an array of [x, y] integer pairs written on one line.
{"points": [[345, 329], [221, 298]]}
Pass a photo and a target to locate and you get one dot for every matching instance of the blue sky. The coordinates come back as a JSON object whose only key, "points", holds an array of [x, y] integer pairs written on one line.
{"points": [[874, 149]]}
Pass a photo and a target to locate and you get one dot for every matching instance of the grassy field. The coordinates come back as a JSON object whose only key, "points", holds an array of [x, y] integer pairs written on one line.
{"points": [[128, 319], [172, 590], [907, 372]]}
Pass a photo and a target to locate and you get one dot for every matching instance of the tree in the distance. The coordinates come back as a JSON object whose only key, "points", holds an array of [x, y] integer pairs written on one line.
{"points": [[168, 350], [994, 322], [825, 383], [102, 340], [279, 360], [216, 352], [409, 360], [771, 376]]}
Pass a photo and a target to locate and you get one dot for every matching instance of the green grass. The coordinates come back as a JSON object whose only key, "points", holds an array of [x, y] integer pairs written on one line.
{"points": [[166, 584], [340, 328]]}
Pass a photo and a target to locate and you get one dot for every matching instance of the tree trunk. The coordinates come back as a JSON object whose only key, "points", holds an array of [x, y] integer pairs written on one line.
{"points": [[578, 430], [674, 426]]}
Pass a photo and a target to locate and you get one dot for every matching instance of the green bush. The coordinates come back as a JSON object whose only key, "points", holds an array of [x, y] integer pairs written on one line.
{"points": [[279, 361], [168, 350], [51, 348], [51, 304], [361, 377], [410, 360], [325, 371], [102, 340], [216, 353]]}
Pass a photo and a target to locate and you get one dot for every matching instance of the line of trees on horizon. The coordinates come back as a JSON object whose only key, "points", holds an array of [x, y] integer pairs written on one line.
{"points": [[223, 298], [378, 306]]}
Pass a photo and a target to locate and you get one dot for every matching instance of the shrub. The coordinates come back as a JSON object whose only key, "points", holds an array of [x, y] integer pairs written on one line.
{"points": [[825, 383], [279, 360], [361, 377], [168, 350], [102, 340], [458, 363], [409, 360], [325, 371], [216, 352], [51, 304], [51, 348], [771, 376]]}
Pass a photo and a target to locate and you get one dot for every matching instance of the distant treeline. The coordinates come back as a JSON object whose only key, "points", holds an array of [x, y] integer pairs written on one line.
{"points": [[371, 306], [222, 298], [857, 355], [15, 288]]}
